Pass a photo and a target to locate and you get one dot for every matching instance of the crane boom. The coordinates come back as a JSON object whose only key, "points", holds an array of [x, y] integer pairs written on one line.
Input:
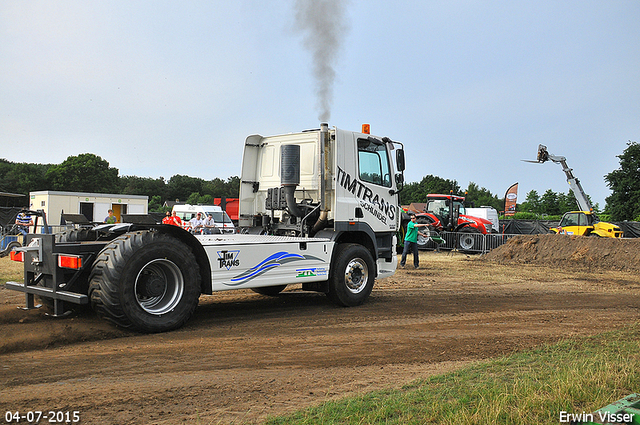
{"points": [[574, 183]]}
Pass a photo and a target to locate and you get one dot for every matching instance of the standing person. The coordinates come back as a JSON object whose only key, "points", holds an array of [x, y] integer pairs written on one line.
{"points": [[411, 242], [23, 221], [173, 219], [167, 218], [111, 219], [196, 224], [209, 224]]}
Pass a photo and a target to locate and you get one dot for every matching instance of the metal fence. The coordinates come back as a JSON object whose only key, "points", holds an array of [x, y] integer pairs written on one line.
{"points": [[476, 243]]}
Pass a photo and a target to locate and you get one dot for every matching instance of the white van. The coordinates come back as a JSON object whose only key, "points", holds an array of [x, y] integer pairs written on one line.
{"points": [[186, 212], [488, 213]]}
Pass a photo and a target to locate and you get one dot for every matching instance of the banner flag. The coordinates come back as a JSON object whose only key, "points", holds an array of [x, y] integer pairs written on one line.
{"points": [[510, 200]]}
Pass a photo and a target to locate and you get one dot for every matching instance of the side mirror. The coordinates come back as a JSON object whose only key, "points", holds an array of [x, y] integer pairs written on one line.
{"points": [[400, 159], [399, 184]]}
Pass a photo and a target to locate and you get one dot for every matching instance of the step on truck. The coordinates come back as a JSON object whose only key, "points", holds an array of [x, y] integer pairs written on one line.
{"points": [[318, 209]]}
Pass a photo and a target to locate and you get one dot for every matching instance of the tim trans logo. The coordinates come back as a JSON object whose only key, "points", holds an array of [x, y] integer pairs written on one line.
{"points": [[228, 259]]}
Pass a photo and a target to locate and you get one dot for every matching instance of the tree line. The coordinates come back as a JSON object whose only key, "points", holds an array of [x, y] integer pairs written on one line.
{"points": [[622, 204], [91, 173]]}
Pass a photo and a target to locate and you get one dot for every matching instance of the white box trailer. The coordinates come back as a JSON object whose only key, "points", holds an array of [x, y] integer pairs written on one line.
{"points": [[94, 206]]}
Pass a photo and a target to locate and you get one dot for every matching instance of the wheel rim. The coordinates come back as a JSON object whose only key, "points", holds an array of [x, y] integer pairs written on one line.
{"points": [[356, 275], [466, 242], [159, 286], [422, 240]]}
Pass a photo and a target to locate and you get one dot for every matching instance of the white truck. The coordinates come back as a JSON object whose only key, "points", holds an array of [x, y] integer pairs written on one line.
{"points": [[318, 208]]}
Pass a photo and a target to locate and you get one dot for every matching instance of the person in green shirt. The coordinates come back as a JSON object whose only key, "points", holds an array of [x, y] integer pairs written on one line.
{"points": [[111, 219], [411, 242]]}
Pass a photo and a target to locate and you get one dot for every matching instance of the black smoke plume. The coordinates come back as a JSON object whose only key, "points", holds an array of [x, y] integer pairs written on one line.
{"points": [[322, 23]]}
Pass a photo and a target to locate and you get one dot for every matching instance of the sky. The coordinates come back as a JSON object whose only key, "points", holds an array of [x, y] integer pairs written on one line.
{"points": [[159, 88]]}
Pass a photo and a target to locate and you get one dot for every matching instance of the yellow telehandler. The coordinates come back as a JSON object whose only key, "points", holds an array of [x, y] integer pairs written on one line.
{"points": [[584, 222]]}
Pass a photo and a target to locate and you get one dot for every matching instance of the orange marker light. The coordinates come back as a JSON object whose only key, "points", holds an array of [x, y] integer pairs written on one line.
{"points": [[366, 128], [69, 261], [17, 256]]}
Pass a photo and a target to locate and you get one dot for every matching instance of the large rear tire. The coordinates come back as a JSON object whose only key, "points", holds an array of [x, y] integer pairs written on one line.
{"points": [[145, 281], [77, 235], [352, 275]]}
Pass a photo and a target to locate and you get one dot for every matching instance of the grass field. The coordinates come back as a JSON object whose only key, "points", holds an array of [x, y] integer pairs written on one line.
{"points": [[10, 270], [574, 376]]}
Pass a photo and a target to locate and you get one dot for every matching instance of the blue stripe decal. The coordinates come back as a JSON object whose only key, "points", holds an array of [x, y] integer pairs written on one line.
{"points": [[271, 262]]}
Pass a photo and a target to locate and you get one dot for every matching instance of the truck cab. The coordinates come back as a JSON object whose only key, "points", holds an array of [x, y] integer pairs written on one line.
{"points": [[327, 183]]}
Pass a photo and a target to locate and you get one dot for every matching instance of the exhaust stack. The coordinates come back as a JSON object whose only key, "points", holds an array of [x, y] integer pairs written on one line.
{"points": [[290, 176]]}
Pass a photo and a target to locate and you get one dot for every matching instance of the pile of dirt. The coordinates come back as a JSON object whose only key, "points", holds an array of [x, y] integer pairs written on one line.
{"points": [[590, 253]]}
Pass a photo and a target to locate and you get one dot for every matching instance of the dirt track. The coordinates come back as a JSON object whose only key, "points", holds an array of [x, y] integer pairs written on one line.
{"points": [[245, 356]]}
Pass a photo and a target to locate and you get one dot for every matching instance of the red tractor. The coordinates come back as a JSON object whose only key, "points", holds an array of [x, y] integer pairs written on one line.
{"points": [[447, 213]]}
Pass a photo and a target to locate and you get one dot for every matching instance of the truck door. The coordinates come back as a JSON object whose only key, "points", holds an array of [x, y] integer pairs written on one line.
{"points": [[364, 180], [86, 209]]}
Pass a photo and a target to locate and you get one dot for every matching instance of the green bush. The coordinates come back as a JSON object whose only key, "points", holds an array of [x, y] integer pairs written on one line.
{"points": [[531, 216], [526, 216]]}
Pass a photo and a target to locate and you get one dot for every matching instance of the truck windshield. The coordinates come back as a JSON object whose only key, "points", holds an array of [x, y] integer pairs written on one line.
{"points": [[220, 217], [440, 207], [373, 162], [575, 219]]}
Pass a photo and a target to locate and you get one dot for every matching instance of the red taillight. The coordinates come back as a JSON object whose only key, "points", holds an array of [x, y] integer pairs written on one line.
{"points": [[70, 261], [17, 256]]}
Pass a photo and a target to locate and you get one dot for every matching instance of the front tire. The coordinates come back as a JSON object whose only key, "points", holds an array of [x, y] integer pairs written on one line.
{"points": [[145, 281], [352, 275], [468, 239]]}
